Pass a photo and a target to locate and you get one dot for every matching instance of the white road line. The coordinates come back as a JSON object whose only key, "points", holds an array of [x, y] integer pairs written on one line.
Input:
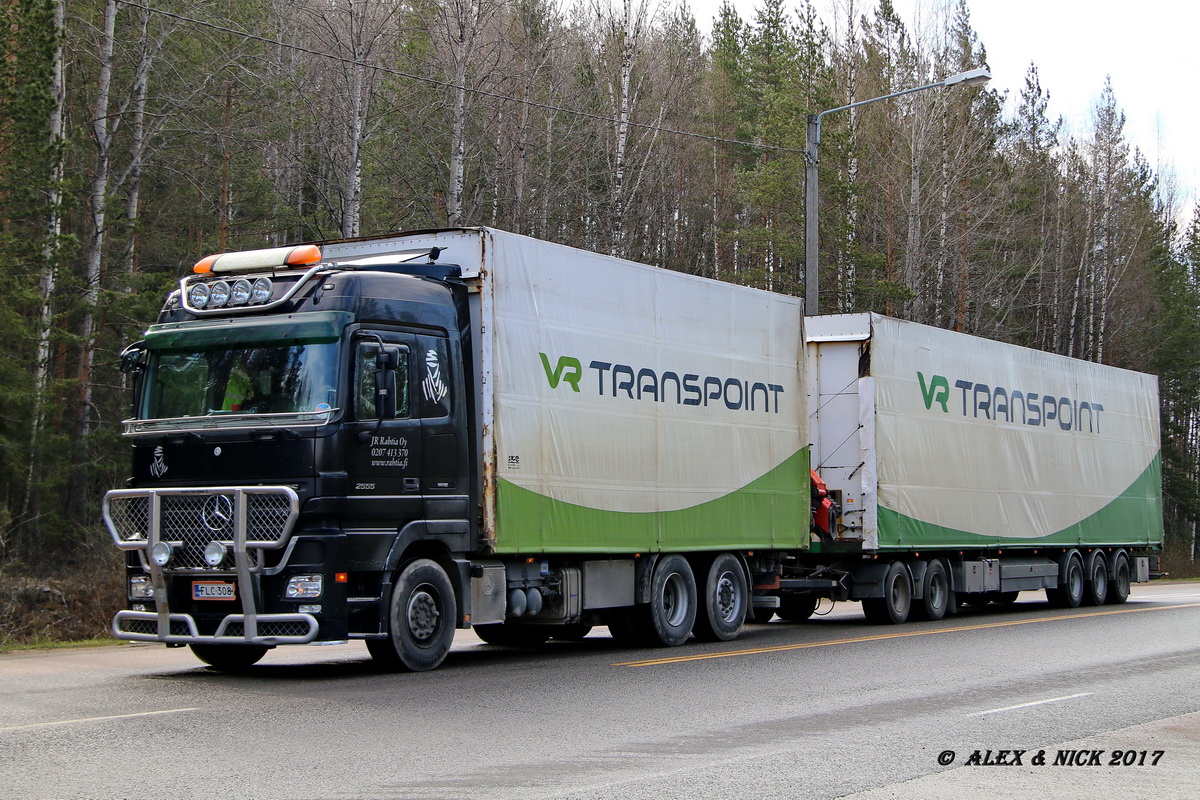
{"points": [[96, 719], [1029, 705]]}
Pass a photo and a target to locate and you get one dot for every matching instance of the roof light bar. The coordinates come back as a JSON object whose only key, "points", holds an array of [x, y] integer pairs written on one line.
{"points": [[304, 255]]}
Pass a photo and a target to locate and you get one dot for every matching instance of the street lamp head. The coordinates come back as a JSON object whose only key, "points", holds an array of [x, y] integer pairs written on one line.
{"points": [[972, 77]]}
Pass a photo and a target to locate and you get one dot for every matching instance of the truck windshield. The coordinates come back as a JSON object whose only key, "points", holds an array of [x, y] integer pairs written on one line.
{"points": [[291, 382]]}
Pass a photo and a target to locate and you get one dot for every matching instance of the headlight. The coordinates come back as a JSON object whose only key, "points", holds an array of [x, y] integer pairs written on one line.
{"points": [[240, 293], [198, 295], [161, 553], [218, 294], [261, 291], [304, 587], [140, 587]]}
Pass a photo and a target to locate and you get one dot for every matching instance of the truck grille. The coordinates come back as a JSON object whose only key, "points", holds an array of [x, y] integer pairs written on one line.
{"points": [[189, 519]]}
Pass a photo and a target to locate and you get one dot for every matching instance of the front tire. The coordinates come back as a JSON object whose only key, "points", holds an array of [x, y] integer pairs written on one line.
{"points": [[726, 599], [229, 657], [421, 619]]}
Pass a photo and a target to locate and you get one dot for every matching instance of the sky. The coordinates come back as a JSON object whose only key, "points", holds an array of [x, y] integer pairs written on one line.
{"points": [[1149, 48]]}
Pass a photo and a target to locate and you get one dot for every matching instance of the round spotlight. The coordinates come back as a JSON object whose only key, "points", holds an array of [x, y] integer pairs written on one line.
{"points": [[198, 295], [214, 554], [239, 295], [161, 553], [261, 291], [219, 294]]}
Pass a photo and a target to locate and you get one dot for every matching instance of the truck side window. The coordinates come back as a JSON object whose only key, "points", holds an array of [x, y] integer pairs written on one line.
{"points": [[364, 381]]}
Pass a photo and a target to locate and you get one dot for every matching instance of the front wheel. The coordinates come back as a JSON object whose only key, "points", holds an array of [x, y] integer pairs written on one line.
{"points": [[229, 657], [421, 619], [722, 611]]}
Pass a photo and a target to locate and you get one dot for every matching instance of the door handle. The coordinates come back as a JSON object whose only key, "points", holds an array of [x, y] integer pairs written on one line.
{"points": [[412, 484]]}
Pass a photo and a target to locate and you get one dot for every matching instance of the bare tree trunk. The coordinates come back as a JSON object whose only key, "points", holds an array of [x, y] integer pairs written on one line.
{"points": [[50, 250], [103, 130]]}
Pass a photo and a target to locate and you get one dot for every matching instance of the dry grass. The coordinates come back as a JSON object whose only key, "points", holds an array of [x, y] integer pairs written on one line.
{"points": [[40, 609]]}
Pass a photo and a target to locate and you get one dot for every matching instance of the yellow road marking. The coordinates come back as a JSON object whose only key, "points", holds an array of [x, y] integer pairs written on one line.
{"points": [[880, 637]]}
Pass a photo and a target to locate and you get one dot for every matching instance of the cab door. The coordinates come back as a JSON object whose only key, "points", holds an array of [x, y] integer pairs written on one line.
{"points": [[385, 452]]}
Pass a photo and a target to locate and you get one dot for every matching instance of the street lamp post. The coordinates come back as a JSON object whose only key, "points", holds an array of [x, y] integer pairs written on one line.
{"points": [[972, 77]]}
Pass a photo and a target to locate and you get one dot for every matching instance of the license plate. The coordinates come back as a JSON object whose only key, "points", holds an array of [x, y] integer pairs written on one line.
{"points": [[213, 590]]}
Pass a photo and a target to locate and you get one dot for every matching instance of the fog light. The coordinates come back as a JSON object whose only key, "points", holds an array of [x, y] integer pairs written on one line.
{"points": [[214, 554], [161, 553], [309, 609], [140, 588], [304, 587]]}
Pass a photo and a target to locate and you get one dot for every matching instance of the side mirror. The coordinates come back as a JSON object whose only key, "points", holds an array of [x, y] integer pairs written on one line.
{"points": [[133, 358], [386, 362]]}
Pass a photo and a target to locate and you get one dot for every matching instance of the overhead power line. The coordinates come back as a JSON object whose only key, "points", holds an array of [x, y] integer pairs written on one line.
{"points": [[449, 85]]}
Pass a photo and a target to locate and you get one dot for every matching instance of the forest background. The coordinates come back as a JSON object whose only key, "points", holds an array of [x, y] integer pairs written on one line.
{"points": [[138, 135]]}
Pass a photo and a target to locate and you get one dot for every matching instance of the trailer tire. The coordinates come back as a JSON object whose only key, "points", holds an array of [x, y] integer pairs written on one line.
{"points": [[667, 620], [514, 634], [421, 619], [230, 657], [798, 607], [1096, 589], [935, 593], [894, 607], [1069, 594], [761, 615], [721, 612], [1118, 587]]}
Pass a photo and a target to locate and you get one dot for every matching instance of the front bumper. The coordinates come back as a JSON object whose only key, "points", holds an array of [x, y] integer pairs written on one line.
{"points": [[246, 520], [265, 629]]}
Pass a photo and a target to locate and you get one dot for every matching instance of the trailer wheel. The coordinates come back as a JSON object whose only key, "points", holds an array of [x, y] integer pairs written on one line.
{"points": [[668, 618], [514, 634], [798, 607], [722, 611], [896, 603], [421, 619], [1096, 590], [1069, 594], [935, 593], [229, 657], [761, 616], [1118, 587]]}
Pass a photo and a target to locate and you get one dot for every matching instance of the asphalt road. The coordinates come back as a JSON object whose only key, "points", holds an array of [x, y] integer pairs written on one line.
{"points": [[830, 708]]}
